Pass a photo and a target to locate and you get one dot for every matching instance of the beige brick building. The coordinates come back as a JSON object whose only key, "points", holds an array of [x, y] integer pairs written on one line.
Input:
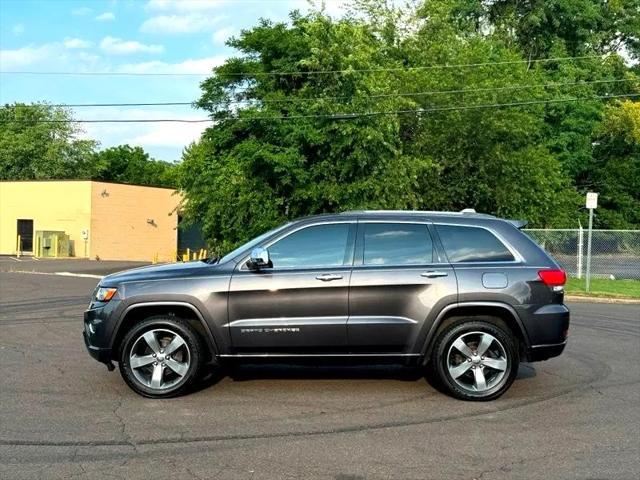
{"points": [[88, 219]]}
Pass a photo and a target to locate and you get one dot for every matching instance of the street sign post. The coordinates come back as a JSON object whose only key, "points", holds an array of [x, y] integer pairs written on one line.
{"points": [[592, 204]]}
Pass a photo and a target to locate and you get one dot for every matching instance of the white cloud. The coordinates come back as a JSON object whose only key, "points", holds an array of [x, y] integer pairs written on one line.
{"points": [[22, 57], [105, 17], [163, 140], [196, 66], [187, 5], [81, 11], [76, 43], [169, 134], [222, 35], [177, 24], [68, 55], [18, 29], [117, 46], [335, 8]]}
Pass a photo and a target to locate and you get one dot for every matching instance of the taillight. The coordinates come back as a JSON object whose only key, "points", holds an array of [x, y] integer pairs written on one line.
{"points": [[553, 278]]}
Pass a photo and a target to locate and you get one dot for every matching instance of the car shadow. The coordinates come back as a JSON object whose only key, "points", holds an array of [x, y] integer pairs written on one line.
{"points": [[322, 371], [526, 370], [327, 370]]}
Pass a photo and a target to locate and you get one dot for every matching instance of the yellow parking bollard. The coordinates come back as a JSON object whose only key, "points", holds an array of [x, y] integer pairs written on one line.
{"points": [[18, 249]]}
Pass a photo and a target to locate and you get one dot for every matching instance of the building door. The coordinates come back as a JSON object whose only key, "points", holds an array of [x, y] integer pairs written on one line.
{"points": [[25, 230]]}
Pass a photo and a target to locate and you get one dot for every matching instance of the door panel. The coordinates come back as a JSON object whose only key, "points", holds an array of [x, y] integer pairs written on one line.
{"points": [[285, 311], [302, 303], [389, 306], [396, 283]]}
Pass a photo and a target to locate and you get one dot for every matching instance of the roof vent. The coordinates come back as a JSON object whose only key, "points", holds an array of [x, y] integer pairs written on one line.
{"points": [[468, 210]]}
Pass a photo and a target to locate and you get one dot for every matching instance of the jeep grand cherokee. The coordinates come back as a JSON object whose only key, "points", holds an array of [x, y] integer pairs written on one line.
{"points": [[466, 295]]}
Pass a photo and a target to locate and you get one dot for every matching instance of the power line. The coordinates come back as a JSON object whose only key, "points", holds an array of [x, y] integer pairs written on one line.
{"points": [[305, 72], [364, 97], [341, 116]]}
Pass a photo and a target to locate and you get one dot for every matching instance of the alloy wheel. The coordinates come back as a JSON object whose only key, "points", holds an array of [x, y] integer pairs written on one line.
{"points": [[477, 361], [159, 359]]}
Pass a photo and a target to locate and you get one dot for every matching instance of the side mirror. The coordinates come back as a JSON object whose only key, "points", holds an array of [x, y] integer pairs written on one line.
{"points": [[259, 258]]}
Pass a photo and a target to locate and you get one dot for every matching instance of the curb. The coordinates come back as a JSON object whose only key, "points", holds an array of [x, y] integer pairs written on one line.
{"points": [[585, 299]]}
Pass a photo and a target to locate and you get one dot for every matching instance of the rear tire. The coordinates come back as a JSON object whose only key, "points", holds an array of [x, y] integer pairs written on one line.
{"points": [[475, 358], [160, 357]]}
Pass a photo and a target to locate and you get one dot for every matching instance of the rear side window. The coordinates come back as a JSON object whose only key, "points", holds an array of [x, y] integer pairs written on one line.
{"points": [[472, 244], [397, 244]]}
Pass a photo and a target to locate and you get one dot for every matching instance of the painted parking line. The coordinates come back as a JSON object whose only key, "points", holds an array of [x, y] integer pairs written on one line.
{"points": [[62, 274], [82, 275]]}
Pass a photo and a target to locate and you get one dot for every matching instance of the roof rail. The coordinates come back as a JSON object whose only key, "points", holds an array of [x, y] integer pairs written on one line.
{"points": [[466, 211]]}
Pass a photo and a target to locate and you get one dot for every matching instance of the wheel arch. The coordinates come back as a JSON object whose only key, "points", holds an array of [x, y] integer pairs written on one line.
{"points": [[139, 311], [473, 309]]}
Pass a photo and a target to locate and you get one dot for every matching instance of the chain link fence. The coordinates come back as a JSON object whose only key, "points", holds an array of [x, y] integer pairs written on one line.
{"points": [[614, 253]]}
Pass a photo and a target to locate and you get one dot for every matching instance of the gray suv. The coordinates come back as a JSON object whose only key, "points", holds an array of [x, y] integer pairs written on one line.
{"points": [[465, 295]]}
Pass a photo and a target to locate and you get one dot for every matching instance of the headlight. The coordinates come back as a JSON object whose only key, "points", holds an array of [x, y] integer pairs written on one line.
{"points": [[104, 294]]}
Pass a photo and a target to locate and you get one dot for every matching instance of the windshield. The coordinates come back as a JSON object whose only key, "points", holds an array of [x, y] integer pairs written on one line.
{"points": [[252, 243]]}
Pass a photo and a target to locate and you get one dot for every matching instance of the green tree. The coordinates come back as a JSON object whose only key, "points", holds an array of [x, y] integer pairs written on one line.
{"points": [[577, 27], [39, 141], [319, 115], [616, 172], [127, 164], [279, 156]]}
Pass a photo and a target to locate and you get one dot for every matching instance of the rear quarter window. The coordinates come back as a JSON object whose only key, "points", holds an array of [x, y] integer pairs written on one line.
{"points": [[472, 244]]}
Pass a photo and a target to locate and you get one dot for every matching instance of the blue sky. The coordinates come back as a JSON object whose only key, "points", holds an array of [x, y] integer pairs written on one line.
{"points": [[145, 36]]}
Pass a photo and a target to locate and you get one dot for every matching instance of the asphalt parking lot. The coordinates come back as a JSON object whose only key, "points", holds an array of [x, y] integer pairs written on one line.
{"points": [[63, 415]]}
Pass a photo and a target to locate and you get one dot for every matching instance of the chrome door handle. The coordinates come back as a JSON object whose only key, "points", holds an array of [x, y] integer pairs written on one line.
{"points": [[433, 274], [327, 277]]}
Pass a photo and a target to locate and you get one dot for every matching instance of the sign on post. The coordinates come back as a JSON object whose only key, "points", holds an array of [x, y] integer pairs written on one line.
{"points": [[592, 203], [84, 233]]}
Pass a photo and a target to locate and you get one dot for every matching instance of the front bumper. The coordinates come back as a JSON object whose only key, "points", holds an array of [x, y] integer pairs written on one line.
{"points": [[97, 332], [103, 355]]}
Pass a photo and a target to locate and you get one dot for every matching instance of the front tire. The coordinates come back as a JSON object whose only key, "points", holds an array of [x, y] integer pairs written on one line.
{"points": [[160, 357], [476, 359]]}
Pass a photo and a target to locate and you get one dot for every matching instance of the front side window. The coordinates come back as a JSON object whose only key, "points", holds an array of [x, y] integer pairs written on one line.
{"points": [[252, 243], [472, 244], [397, 244], [317, 246]]}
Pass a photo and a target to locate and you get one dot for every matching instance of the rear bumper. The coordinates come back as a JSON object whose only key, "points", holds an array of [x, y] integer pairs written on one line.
{"points": [[548, 329], [537, 353]]}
